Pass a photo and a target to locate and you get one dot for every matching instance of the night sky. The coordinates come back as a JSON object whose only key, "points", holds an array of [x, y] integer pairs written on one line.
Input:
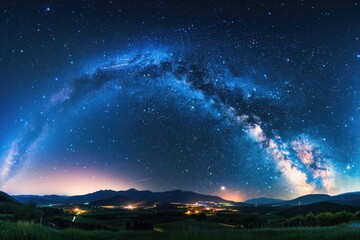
{"points": [[235, 98]]}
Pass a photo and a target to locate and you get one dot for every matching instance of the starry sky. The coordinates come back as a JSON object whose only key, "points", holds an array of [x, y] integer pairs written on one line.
{"points": [[239, 99]]}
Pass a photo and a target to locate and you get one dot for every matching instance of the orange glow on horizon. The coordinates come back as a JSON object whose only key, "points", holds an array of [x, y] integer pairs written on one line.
{"points": [[231, 195], [69, 183]]}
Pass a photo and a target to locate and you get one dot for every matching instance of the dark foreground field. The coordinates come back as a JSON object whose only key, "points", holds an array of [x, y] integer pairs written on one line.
{"points": [[180, 230], [177, 221]]}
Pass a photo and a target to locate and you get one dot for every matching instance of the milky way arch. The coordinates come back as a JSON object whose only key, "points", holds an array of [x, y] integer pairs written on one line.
{"points": [[300, 160]]}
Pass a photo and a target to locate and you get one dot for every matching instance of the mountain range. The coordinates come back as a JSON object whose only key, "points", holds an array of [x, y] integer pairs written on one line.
{"points": [[348, 199], [111, 197], [177, 196]]}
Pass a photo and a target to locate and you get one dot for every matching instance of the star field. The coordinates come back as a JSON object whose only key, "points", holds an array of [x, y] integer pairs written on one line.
{"points": [[240, 100]]}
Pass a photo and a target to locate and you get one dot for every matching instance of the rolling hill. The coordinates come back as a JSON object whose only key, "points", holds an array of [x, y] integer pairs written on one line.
{"points": [[264, 201], [5, 198], [351, 199], [308, 199], [316, 208]]}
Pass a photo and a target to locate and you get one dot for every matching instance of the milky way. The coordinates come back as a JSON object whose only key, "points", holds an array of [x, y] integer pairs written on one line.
{"points": [[300, 162], [261, 118]]}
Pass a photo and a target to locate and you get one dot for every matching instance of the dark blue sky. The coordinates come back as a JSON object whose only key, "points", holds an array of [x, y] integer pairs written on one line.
{"points": [[260, 97]]}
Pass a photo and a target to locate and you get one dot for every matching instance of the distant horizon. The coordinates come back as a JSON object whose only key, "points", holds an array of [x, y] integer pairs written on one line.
{"points": [[182, 191]]}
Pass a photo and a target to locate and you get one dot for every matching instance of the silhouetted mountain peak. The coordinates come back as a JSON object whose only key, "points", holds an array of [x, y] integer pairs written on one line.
{"points": [[132, 190]]}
